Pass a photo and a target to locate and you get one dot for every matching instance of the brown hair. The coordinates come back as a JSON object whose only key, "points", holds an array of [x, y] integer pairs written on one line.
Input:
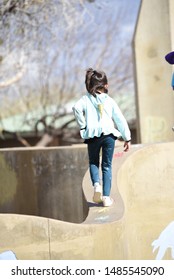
{"points": [[95, 80]]}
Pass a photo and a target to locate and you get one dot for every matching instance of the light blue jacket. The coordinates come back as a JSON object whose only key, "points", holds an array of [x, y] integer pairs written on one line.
{"points": [[93, 122]]}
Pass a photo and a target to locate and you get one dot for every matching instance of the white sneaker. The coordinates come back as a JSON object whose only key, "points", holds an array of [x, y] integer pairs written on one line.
{"points": [[107, 201], [97, 198]]}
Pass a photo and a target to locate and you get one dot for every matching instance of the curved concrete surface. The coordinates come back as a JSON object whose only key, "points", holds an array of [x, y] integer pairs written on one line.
{"points": [[142, 212], [44, 182]]}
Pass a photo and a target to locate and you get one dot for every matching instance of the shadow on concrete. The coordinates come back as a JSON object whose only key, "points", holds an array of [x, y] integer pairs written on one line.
{"points": [[44, 182]]}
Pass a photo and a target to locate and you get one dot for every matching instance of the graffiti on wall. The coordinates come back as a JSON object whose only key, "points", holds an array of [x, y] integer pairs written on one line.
{"points": [[165, 241]]}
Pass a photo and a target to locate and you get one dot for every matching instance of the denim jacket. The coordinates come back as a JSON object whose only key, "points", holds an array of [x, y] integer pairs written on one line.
{"points": [[100, 114]]}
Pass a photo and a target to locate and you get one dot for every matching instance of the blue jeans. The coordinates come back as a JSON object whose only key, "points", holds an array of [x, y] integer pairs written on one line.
{"points": [[107, 144]]}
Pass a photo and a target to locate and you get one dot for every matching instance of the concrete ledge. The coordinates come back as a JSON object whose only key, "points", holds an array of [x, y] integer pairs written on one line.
{"points": [[144, 207]]}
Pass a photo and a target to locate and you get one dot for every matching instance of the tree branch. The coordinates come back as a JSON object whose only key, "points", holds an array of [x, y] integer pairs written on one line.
{"points": [[13, 80], [16, 136]]}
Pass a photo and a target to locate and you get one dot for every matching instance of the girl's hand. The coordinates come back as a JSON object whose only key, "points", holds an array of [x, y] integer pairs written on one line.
{"points": [[127, 146]]}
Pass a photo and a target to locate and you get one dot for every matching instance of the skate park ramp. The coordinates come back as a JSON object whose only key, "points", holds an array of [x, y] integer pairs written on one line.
{"points": [[58, 220]]}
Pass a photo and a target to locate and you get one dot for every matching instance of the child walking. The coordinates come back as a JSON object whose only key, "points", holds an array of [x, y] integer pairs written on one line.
{"points": [[101, 122]]}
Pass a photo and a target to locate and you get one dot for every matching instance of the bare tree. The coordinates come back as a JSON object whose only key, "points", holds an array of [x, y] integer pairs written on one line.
{"points": [[45, 47]]}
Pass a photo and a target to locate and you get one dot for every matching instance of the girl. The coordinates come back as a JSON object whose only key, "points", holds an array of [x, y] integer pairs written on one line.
{"points": [[101, 123]]}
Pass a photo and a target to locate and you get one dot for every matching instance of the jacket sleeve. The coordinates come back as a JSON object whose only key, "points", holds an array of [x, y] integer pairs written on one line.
{"points": [[79, 113], [121, 122]]}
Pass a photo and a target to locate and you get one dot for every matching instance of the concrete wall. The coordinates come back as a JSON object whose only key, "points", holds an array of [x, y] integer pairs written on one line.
{"points": [[44, 182], [142, 213], [155, 98], [171, 20]]}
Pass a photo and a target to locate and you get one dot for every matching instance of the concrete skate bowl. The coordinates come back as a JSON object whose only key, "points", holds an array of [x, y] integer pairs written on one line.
{"points": [[143, 206]]}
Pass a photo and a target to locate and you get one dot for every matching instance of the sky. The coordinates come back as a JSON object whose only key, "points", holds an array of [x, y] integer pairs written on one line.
{"points": [[90, 34]]}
